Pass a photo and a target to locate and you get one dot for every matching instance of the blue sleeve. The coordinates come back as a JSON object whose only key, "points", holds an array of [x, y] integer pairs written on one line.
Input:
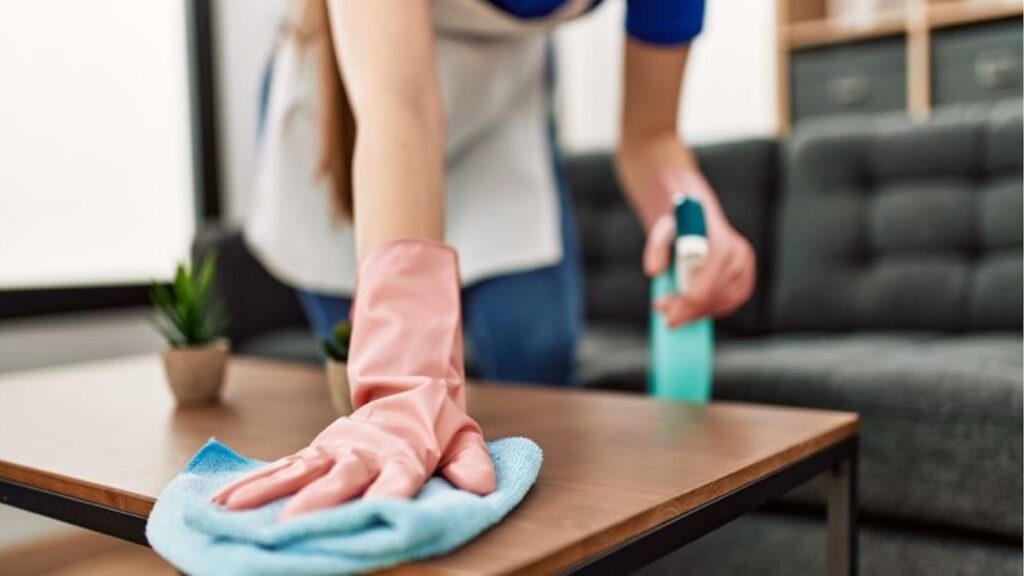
{"points": [[529, 8], [664, 22]]}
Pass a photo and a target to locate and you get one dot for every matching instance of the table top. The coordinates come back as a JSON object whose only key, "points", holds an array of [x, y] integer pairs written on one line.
{"points": [[615, 464]]}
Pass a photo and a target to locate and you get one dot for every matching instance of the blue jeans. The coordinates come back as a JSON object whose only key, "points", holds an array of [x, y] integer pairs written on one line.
{"points": [[520, 327]]}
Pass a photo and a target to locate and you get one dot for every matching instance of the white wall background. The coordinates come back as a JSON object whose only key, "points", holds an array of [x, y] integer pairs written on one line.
{"points": [[730, 90], [95, 151], [730, 82]]}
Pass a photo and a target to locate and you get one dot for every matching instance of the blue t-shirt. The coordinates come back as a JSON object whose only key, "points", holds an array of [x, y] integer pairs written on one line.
{"points": [[663, 22]]}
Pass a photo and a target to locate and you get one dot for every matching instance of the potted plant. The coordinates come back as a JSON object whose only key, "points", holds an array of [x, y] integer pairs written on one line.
{"points": [[197, 352], [336, 350]]}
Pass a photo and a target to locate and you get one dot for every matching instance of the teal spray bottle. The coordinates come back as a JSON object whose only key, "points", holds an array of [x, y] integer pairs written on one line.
{"points": [[682, 357]]}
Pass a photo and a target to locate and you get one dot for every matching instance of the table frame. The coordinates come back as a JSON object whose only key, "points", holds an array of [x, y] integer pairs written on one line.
{"points": [[835, 466]]}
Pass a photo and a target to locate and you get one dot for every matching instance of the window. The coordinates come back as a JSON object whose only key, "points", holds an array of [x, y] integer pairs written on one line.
{"points": [[96, 181]]}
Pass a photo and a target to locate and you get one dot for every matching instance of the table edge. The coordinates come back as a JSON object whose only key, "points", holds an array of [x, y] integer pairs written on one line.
{"points": [[85, 491], [656, 515]]}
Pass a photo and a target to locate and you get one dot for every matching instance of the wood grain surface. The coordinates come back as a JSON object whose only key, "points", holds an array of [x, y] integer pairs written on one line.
{"points": [[614, 464]]}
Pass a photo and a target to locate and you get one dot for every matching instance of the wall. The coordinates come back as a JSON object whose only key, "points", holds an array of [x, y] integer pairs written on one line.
{"points": [[95, 146], [730, 83]]}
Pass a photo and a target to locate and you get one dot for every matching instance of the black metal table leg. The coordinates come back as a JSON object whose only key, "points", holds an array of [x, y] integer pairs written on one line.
{"points": [[840, 484]]}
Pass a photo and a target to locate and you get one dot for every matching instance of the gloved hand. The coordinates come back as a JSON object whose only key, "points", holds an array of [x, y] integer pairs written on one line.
{"points": [[406, 376], [724, 281]]}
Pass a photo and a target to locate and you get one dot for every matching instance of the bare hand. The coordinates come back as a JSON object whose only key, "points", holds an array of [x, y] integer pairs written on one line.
{"points": [[724, 281]]}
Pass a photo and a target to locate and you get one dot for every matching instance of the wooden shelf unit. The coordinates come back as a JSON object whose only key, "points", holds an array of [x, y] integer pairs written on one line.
{"points": [[956, 13], [807, 24], [822, 32]]}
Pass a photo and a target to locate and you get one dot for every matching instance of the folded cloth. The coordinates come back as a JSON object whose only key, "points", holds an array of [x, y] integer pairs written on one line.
{"points": [[199, 537]]}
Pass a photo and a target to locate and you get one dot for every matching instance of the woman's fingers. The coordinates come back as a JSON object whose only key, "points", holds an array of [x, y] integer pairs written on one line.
{"points": [[738, 284], [732, 298], [738, 294], [398, 479], [470, 468], [221, 496], [281, 483], [658, 249], [679, 310], [717, 288], [346, 479]]}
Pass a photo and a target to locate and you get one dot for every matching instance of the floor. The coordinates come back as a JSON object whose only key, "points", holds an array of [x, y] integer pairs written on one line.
{"points": [[82, 553], [52, 341]]}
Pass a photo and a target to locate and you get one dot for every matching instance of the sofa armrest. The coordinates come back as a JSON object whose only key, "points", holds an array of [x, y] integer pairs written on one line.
{"points": [[255, 301]]}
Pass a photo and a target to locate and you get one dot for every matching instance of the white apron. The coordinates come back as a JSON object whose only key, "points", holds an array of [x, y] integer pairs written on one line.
{"points": [[501, 204]]}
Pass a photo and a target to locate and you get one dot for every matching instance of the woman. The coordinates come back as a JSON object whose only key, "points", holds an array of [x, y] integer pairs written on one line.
{"points": [[448, 137]]}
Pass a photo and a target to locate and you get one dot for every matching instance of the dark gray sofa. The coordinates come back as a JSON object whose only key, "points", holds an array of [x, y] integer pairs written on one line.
{"points": [[890, 284]]}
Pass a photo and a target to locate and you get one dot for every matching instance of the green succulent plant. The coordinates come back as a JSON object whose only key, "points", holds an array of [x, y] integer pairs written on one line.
{"points": [[336, 347], [185, 313]]}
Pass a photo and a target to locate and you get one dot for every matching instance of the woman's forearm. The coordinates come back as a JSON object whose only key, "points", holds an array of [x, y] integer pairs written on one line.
{"points": [[648, 133], [397, 173], [652, 86], [387, 56]]}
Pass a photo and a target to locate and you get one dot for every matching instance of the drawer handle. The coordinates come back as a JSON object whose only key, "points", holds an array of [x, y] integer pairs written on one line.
{"points": [[849, 90], [994, 69]]}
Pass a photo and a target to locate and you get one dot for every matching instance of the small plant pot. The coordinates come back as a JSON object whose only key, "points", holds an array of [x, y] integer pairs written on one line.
{"points": [[196, 373], [337, 385]]}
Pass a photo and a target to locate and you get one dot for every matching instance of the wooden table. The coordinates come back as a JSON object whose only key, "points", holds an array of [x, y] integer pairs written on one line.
{"points": [[625, 479]]}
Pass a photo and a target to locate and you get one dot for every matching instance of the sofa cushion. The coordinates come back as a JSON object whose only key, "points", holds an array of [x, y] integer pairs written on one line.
{"points": [[893, 225], [614, 357], [941, 415], [777, 543]]}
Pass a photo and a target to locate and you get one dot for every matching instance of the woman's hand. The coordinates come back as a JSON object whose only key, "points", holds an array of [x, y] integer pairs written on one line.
{"points": [[387, 449], [407, 383], [719, 285], [653, 165], [651, 173]]}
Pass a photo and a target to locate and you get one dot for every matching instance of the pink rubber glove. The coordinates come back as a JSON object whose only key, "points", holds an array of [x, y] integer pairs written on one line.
{"points": [[724, 281], [406, 376]]}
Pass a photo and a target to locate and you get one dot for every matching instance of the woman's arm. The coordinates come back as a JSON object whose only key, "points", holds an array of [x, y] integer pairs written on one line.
{"points": [[405, 367], [386, 52], [653, 163], [649, 145]]}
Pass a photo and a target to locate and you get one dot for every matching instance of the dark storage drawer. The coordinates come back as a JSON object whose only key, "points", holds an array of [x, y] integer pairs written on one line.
{"points": [[977, 63], [850, 79]]}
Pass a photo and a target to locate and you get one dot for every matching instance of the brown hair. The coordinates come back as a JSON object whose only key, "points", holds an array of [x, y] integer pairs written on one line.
{"points": [[337, 125]]}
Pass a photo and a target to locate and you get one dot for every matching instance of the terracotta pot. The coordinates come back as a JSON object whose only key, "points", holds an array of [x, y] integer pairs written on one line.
{"points": [[196, 373], [337, 385]]}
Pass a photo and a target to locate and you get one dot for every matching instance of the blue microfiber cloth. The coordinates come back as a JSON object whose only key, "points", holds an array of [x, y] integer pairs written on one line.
{"points": [[201, 538]]}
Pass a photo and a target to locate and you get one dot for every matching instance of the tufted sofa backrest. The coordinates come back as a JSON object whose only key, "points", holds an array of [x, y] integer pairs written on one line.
{"points": [[887, 224]]}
